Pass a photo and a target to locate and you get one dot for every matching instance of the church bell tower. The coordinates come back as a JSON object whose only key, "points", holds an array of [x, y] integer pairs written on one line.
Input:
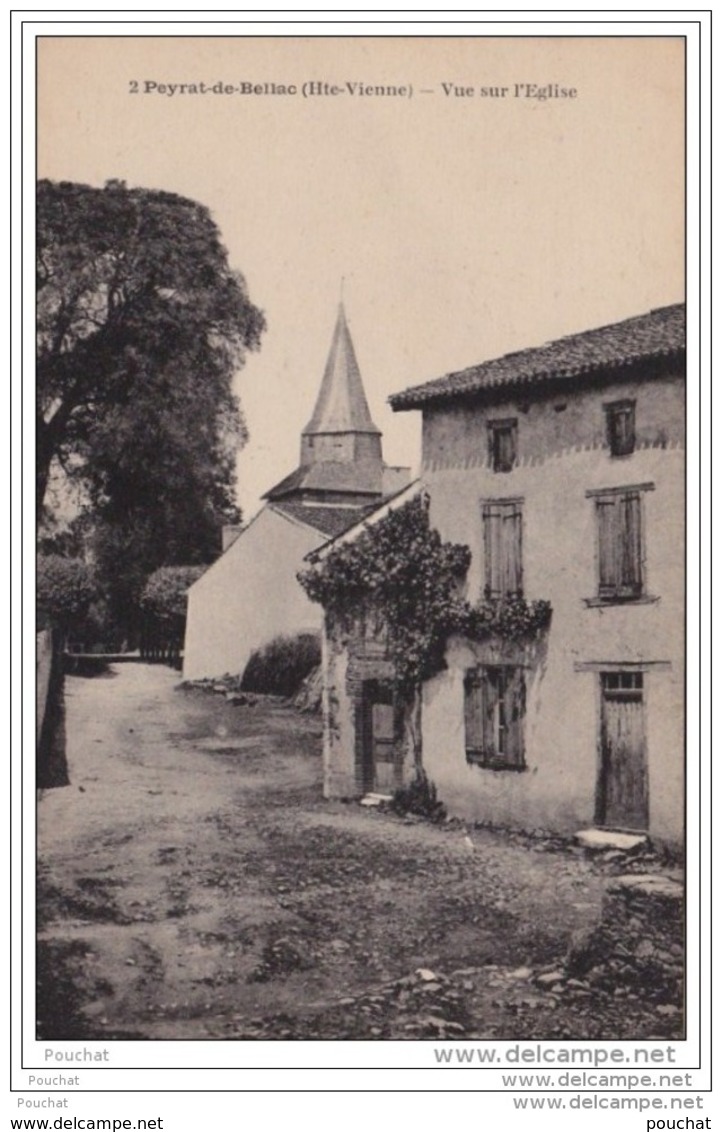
{"points": [[341, 457]]}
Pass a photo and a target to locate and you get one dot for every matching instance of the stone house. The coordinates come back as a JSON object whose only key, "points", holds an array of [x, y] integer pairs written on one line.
{"points": [[250, 594], [562, 468]]}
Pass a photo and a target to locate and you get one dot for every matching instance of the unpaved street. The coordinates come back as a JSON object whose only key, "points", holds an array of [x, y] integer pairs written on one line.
{"points": [[194, 884]]}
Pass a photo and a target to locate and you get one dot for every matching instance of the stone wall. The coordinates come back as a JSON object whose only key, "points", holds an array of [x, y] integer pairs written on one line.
{"points": [[639, 943]]}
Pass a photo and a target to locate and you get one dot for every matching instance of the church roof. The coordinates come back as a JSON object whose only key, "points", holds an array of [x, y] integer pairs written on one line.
{"points": [[363, 477], [328, 521], [341, 404], [660, 334]]}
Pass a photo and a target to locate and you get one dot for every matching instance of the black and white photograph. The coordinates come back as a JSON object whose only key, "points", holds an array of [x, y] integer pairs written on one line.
{"points": [[361, 464]]}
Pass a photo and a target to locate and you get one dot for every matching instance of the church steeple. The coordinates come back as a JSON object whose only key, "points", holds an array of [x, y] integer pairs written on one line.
{"points": [[341, 459], [341, 427]]}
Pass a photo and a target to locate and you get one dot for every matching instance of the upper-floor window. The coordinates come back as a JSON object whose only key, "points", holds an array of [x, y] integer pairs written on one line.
{"points": [[502, 444], [502, 522], [620, 549], [620, 427]]}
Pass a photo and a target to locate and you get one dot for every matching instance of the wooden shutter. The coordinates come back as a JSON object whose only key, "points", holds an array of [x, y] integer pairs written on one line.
{"points": [[620, 428], [630, 575], [502, 549], [502, 444], [514, 712], [619, 520], [608, 545], [505, 448], [492, 542], [494, 709], [474, 716], [510, 550]]}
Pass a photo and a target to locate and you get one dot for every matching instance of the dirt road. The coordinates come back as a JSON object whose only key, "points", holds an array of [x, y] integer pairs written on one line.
{"points": [[194, 884]]}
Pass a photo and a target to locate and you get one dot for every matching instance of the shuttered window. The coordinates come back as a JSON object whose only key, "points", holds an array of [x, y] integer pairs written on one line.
{"points": [[620, 427], [503, 575], [619, 523], [502, 444], [494, 709]]}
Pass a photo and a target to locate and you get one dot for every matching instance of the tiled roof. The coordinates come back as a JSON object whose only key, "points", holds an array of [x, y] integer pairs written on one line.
{"points": [[655, 335], [362, 477], [366, 517], [329, 521]]}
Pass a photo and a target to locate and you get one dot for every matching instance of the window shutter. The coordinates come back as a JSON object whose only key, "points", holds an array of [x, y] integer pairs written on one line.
{"points": [[608, 545], [474, 714], [502, 549], [494, 708], [492, 550], [630, 579], [515, 708], [511, 582], [489, 705], [504, 449], [619, 520], [621, 428]]}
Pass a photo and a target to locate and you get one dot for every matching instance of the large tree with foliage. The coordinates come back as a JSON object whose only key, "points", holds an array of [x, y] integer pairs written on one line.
{"points": [[136, 304], [141, 325]]}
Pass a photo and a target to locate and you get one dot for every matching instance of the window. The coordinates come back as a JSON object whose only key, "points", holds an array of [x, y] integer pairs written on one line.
{"points": [[502, 444], [620, 427], [619, 532], [629, 682], [502, 548], [494, 709]]}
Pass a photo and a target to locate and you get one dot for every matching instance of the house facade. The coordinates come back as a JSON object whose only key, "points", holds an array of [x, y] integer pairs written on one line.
{"points": [[250, 594], [562, 469]]}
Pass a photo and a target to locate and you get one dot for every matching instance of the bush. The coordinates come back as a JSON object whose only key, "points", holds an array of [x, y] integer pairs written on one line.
{"points": [[419, 797], [164, 602], [65, 590], [165, 594], [282, 665]]}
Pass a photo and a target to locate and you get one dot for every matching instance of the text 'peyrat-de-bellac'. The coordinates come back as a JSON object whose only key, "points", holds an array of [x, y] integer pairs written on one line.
{"points": [[315, 88]]}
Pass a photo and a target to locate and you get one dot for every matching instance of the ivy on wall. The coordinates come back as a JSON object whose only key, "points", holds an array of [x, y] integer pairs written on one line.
{"points": [[401, 572]]}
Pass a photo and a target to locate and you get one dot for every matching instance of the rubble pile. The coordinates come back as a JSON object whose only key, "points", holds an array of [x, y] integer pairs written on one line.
{"points": [[638, 947]]}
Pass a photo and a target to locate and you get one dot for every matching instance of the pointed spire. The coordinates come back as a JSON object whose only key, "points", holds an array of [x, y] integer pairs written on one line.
{"points": [[341, 404]]}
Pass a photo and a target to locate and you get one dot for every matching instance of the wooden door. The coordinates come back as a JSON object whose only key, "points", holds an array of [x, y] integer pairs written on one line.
{"points": [[622, 800], [380, 770]]}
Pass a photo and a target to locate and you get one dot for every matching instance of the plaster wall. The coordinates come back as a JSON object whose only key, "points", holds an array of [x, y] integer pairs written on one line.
{"points": [[558, 465], [553, 422], [249, 596]]}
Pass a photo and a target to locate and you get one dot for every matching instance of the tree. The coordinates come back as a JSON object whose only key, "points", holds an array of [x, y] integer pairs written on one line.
{"points": [[165, 594], [164, 602], [141, 325]]}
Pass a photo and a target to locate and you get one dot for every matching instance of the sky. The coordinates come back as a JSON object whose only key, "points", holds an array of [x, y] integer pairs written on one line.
{"points": [[464, 225]]}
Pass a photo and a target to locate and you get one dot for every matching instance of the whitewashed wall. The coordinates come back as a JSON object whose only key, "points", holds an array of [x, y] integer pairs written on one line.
{"points": [[250, 595]]}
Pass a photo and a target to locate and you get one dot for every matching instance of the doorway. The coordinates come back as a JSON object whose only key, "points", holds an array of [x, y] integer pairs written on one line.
{"points": [[622, 795], [380, 749]]}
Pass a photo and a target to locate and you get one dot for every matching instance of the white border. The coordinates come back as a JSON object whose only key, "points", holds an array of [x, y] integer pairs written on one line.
{"points": [[364, 1065]]}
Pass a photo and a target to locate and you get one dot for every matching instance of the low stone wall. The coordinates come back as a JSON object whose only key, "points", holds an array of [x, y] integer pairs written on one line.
{"points": [[43, 660], [51, 764], [639, 943]]}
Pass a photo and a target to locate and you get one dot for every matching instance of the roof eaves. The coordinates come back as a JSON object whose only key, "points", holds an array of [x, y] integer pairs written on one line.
{"points": [[463, 383]]}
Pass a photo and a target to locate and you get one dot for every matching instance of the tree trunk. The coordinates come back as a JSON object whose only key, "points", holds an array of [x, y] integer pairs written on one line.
{"points": [[413, 728], [43, 459]]}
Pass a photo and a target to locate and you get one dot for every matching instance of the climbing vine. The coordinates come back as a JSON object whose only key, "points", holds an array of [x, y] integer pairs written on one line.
{"points": [[401, 573]]}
